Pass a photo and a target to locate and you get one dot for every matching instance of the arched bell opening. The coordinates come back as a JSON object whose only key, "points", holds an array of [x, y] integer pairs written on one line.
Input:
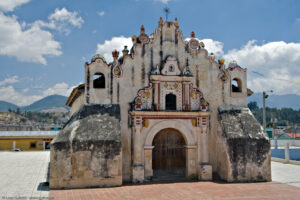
{"points": [[169, 155], [98, 80], [236, 85]]}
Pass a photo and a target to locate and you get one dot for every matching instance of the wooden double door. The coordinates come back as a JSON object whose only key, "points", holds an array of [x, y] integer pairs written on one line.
{"points": [[168, 156]]}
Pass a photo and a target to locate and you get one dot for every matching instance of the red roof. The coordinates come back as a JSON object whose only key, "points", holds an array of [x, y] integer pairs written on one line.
{"points": [[294, 135]]}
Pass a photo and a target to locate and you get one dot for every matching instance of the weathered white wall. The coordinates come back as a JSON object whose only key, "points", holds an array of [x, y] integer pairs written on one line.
{"points": [[135, 71]]}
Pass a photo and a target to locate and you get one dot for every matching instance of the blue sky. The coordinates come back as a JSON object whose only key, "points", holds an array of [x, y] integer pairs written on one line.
{"points": [[44, 44]]}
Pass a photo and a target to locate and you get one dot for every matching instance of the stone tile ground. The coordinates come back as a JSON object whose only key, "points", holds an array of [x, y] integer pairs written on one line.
{"points": [[22, 173]]}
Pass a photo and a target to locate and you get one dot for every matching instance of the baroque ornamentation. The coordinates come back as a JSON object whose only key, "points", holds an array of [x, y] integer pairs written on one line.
{"points": [[143, 101]]}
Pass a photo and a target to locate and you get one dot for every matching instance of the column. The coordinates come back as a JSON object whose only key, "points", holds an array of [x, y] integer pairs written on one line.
{"points": [[44, 145], [138, 167], [191, 171], [148, 162], [205, 169], [155, 95]]}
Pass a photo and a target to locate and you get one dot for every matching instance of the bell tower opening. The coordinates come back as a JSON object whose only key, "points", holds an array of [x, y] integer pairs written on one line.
{"points": [[170, 102], [98, 80]]}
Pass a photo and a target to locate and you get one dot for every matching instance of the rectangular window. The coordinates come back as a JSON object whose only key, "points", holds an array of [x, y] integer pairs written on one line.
{"points": [[32, 145]]}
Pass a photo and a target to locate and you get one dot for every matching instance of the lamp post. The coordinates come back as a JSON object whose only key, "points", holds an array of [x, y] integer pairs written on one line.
{"points": [[264, 108]]}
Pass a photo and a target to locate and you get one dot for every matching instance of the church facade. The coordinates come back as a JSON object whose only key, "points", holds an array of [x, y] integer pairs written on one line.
{"points": [[166, 108]]}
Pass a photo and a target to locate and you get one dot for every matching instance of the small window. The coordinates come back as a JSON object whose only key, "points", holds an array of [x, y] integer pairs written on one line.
{"points": [[170, 102], [236, 85], [99, 80], [32, 144]]}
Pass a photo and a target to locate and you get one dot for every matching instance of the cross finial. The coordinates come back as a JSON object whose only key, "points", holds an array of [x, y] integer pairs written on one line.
{"points": [[167, 11]]}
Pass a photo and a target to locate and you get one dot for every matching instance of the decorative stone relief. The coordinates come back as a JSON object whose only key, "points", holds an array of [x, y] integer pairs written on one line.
{"points": [[193, 43], [117, 72], [170, 67], [233, 65], [143, 36], [187, 71], [223, 74], [197, 100], [171, 88], [195, 96], [143, 101]]}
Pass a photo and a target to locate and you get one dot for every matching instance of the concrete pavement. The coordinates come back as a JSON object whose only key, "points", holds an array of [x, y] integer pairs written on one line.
{"points": [[22, 175]]}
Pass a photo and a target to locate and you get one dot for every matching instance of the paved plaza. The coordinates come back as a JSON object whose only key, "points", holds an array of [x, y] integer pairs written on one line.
{"points": [[23, 174]]}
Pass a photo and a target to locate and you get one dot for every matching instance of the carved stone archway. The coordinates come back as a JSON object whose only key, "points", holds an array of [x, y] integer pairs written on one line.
{"points": [[170, 123]]}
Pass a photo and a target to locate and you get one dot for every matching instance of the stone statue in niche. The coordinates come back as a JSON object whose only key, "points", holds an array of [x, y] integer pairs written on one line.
{"points": [[138, 104], [171, 68], [156, 71], [204, 105]]}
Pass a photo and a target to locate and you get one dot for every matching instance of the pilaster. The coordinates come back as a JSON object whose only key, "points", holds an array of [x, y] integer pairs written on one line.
{"points": [[138, 167]]}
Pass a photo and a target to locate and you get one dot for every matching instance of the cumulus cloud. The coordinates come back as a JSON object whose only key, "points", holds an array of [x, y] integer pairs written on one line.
{"points": [[20, 96], [32, 43], [108, 46], [101, 13], [29, 45], [9, 80], [277, 62], [212, 46], [10, 5], [16, 97], [61, 20], [59, 88], [273, 65]]}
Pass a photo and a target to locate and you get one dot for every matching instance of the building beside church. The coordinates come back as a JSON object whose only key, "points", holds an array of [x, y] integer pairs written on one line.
{"points": [[165, 108]]}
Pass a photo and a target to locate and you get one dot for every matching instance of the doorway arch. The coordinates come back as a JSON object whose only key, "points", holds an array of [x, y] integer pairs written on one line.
{"points": [[169, 156]]}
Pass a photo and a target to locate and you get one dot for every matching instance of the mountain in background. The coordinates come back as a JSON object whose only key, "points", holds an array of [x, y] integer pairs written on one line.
{"points": [[56, 103], [52, 103], [4, 106], [277, 101]]}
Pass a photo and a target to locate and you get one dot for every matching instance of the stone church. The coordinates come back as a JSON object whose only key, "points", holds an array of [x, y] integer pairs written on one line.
{"points": [[165, 109]]}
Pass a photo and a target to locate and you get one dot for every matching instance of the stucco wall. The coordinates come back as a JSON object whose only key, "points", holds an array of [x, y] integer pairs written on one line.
{"points": [[135, 70], [87, 151]]}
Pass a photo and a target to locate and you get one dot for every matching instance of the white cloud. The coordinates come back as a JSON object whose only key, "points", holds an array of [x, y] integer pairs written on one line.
{"points": [[101, 13], [63, 15], [9, 5], [29, 45], [163, 1], [9, 80], [212, 46], [108, 46], [59, 88], [277, 61], [20, 98], [61, 20]]}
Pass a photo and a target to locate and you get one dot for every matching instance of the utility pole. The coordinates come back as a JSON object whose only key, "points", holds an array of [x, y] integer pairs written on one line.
{"points": [[264, 108], [167, 11]]}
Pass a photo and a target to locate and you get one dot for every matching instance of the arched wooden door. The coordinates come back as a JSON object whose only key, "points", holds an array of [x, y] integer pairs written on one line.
{"points": [[168, 156]]}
